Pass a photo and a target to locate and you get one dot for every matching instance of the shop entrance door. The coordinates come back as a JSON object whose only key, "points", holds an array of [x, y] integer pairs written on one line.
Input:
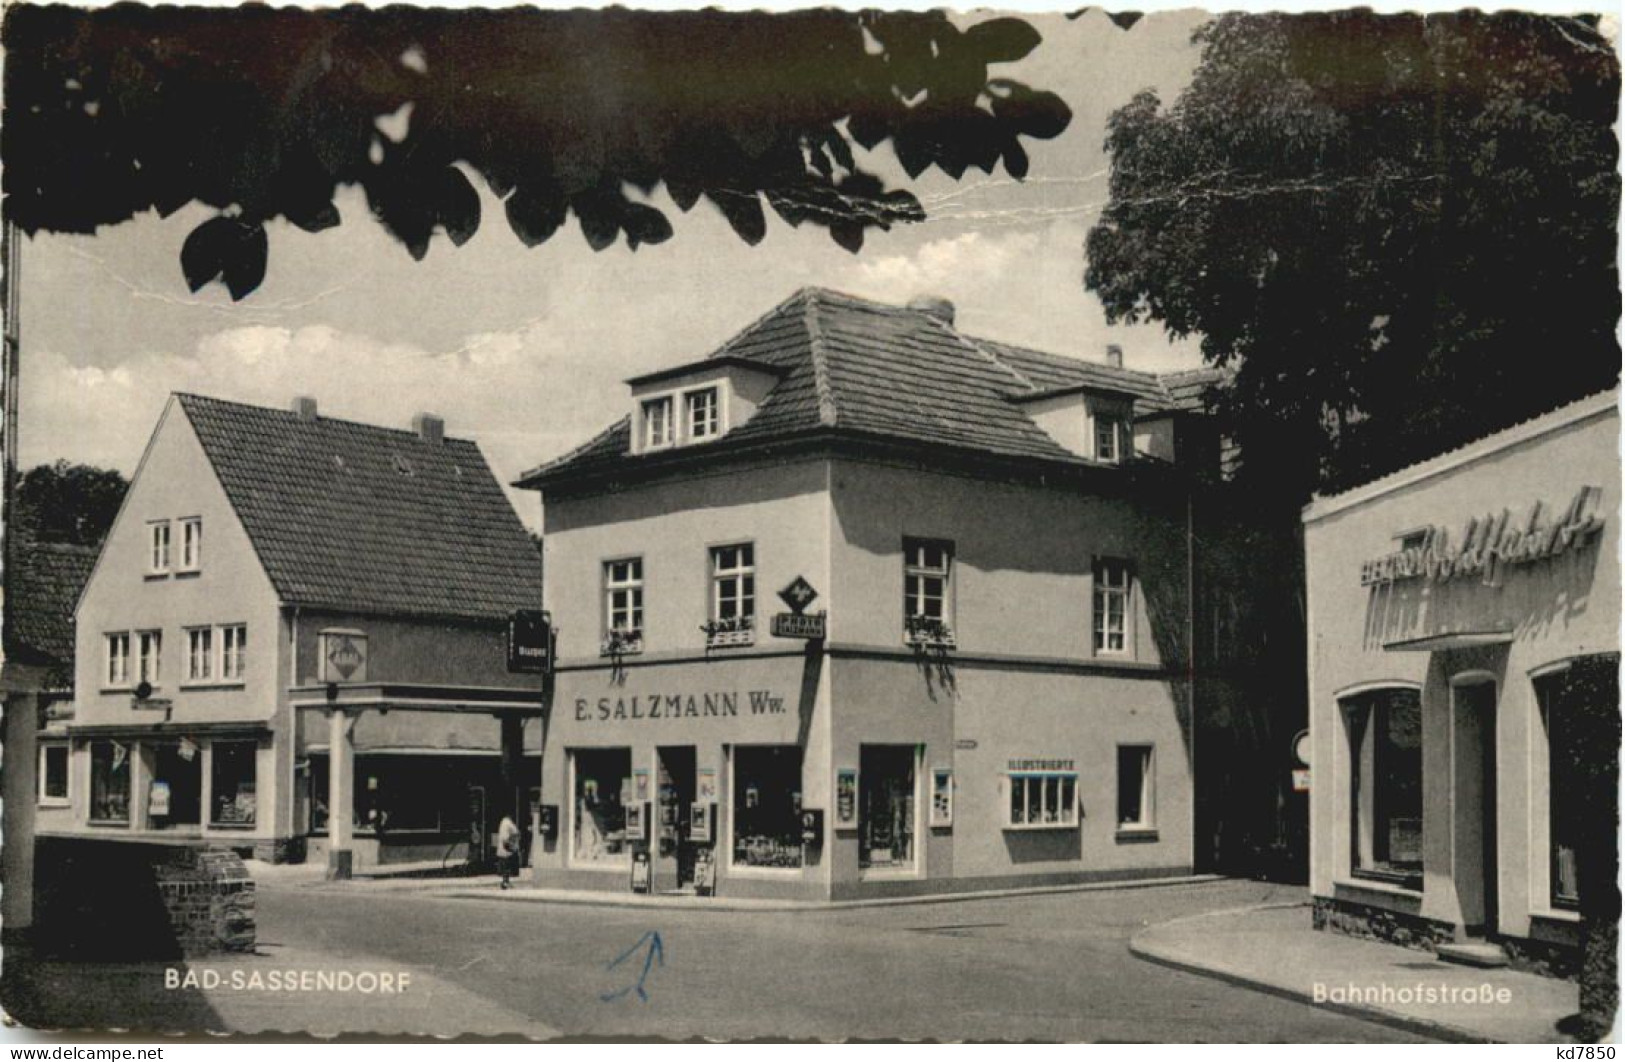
{"points": [[1473, 813], [886, 807], [676, 800]]}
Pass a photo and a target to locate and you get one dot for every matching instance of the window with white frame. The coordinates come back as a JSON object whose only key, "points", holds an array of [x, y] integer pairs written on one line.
{"points": [[733, 593], [233, 652], [149, 656], [1136, 804], [623, 604], [199, 654], [53, 775], [1042, 798], [1385, 799], [191, 544], [704, 412], [1109, 432], [1111, 608], [928, 589], [158, 547], [118, 659], [658, 429]]}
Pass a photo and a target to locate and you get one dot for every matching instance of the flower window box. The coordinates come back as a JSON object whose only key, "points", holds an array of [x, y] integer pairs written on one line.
{"points": [[927, 631], [620, 643], [734, 631]]}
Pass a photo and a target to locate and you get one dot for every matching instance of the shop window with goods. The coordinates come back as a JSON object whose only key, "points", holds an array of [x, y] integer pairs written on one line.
{"points": [[1385, 741], [110, 782], [767, 806], [603, 781], [231, 782]]}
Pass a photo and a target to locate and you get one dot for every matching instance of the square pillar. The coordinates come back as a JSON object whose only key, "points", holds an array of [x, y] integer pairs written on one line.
{"points": [[340, 795]]}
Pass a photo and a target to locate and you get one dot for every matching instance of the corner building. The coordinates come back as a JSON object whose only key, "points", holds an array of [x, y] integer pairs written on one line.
{"points": [[1463, 627], [991, 685]]}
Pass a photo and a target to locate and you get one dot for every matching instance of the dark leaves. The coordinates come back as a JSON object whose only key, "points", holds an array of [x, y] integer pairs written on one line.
{"points": [[725, 107], [227, 249]]}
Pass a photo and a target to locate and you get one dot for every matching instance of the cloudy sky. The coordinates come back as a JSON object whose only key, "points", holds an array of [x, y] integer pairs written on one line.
{"points": [[524, 350]]}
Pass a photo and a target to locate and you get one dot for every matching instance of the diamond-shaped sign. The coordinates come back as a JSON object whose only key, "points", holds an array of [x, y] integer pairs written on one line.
{"points": [[798, 595]]}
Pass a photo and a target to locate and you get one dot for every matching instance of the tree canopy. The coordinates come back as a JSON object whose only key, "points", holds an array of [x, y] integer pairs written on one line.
{"points": [[264, 113], [62, 502], [1398, 230]]}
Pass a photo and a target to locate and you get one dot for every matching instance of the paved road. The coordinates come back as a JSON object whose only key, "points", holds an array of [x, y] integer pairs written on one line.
{"points": [[1052, 967]]}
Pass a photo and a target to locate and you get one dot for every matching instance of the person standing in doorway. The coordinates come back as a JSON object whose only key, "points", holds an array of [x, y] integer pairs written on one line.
{"points": [[507, 848]]}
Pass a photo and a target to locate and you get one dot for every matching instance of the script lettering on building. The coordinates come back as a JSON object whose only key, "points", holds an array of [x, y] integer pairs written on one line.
{"points": [[659, 705], [1041, 765], [1489, 543]]}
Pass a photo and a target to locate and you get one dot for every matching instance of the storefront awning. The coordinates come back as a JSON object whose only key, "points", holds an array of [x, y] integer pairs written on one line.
{"points": [[1449, 640], [159, 728], [418, 697]]}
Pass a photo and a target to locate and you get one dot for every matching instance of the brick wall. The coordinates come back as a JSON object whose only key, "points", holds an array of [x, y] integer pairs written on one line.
{"points": [[100, 898]]}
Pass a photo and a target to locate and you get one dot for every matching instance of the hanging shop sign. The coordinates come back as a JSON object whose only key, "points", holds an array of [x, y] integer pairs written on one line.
{"points": [[846, 798], [530, 642], [799, 625], [1300, 780], [1490, 543], [1300, 748], [342, 656], [798, 595], [658, 705]]}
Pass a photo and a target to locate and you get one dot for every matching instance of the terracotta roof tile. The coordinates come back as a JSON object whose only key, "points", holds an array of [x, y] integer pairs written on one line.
{"points": [[361, 518]]}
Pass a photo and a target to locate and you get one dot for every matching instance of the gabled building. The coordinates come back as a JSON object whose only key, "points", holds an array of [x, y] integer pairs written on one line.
{"points": [[276, 578], [979, 674]]}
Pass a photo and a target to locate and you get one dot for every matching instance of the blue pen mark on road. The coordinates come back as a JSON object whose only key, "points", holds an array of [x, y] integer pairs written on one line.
{"points": [[656, 953]]}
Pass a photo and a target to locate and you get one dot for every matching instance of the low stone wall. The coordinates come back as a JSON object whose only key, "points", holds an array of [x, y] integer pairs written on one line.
{"points": [[105, 898], [1377, 923]]}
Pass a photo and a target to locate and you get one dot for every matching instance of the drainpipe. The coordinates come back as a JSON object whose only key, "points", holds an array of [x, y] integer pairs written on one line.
{"points": [[1190, 654]]}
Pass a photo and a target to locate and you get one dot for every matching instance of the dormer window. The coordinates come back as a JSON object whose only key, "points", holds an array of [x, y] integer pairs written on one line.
{"points": [[1108, 439], [657, 423], [704, 414]]}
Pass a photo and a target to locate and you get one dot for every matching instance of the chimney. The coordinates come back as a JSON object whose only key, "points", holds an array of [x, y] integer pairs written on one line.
{"points": [[933, 306], [305, 407], [430, 428], [1114, 355]]}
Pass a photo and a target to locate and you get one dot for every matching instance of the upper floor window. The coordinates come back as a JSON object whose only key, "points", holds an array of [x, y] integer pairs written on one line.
{"points": [[623, 605], [733, 595], [704, 413], [191, 543], [149, 653], [158, 547], [199, 654], [1111, 609], [1109, 432], [118, 659], [928, 590], [233, 652], [658, 429]]}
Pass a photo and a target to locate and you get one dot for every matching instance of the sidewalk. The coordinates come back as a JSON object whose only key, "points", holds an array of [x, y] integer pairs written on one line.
{"points": [[485, 887], [1275, 949]]}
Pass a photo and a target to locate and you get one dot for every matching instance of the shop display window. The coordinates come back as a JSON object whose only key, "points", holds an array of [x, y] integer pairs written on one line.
{"points": [[1041, 800], [232, 783], [603, 783], [886, 825], [175, 795], [767, 806], [1385, 735], [1579, 706], [110, 781]]}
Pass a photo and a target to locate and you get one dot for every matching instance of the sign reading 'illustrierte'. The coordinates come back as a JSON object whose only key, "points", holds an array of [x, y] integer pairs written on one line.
{"points": [[1489, 543]]}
